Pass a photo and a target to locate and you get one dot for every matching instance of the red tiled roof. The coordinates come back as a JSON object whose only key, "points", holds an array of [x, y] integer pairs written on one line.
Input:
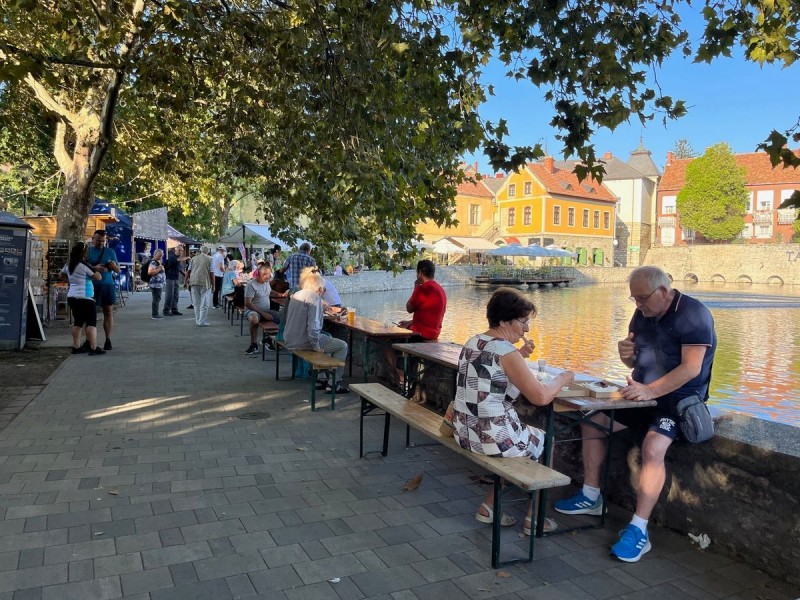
{"points": [[562, 182], [468, 188], [758, 171]]}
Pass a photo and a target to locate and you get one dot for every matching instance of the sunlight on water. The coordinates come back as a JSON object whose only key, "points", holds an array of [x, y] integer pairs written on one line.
{"points": [[757, 366]]}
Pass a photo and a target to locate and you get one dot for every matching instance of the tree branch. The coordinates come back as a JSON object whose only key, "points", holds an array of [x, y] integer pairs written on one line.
{"points": [[57, 60], [48, 101], [60, 151]]}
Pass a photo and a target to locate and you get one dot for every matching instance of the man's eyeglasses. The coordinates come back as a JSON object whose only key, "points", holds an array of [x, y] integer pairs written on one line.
{"points": [[641, 299]]}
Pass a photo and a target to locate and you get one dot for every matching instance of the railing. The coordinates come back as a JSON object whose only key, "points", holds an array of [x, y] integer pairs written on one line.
{"points": [[762, 217], [666, 221], [787, 216]]}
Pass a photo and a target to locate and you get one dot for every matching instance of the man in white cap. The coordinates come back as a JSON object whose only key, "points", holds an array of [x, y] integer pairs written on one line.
{"points": [[218, 270]]}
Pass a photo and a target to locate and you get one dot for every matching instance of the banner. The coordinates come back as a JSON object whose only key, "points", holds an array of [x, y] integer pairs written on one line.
{"points": [[243, 252]]}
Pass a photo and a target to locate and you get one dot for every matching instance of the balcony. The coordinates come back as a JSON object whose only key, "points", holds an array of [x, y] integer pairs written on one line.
{"points": [[787, 216], [762, 217], [666, 221]]}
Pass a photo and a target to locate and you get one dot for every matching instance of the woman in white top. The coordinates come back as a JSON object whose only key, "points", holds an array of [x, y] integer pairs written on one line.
{"points": [[80, 299], [492, 376]]}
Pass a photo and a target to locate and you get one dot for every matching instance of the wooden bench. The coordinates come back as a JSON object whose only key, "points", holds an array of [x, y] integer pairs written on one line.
{"points": [[269, 329], [319, 361], [527, 475]]}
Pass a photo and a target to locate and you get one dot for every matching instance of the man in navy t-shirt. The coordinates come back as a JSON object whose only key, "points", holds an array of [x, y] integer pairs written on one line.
{"points": [[670, 347], [105, 291]]}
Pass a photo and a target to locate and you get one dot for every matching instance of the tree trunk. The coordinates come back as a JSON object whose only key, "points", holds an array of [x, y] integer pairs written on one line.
{"points": [[77, 198]]}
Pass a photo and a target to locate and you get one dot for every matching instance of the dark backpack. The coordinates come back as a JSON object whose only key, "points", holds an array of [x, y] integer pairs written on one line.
{"points": [[145, 272]]}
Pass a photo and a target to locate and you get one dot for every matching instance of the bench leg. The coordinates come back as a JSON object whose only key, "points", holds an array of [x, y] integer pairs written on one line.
{"points": [[333, 391], [497, 528], [277, 362], [241, 324], [313, 390], [364, 405], [386, 424]]}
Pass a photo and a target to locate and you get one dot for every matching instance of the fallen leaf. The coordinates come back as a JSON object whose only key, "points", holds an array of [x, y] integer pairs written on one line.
{"points": [[114, 493], [301, 449], [334, 580], [503, 574], [413, 484], [99, 532]]}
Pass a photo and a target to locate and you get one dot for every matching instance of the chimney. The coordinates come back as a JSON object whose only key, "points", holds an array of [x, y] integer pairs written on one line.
{"points": [[608, 156], [549, 164], [476, 166], [499, 175], [670, 157]]}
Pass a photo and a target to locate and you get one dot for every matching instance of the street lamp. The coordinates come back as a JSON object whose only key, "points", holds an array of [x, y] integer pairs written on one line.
{"points": [[25, 174]]}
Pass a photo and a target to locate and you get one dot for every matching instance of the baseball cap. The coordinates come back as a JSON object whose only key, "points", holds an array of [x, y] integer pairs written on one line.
{"points": [[221, 247]]}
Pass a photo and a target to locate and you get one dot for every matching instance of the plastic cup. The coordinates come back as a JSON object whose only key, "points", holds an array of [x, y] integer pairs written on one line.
{"points": [[351, 316]]}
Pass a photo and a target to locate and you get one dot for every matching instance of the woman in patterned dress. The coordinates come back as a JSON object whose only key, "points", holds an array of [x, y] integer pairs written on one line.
{"points": [[492, 376]]}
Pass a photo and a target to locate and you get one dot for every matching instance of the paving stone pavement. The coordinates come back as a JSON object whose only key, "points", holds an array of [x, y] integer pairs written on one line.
{"points": [[131, 476]]}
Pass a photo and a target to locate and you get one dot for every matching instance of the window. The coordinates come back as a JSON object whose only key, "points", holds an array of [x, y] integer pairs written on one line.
{"points": [[512, 190], [687, 234], [527, 188], [764, 199], [556, 215], [668, 205], [571, 217], [597, 219], [763, 231], [512, 217], [785, 195], [749, 208], [526, 215], [747, 231], [607, 220], [474, 214], [586, 217]]}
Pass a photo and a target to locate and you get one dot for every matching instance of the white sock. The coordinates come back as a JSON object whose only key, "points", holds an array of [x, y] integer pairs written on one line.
{"points": [[640, 523], [592, 493]]}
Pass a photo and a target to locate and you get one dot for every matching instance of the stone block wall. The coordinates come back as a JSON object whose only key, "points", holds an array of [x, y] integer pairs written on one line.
{"points": [[730, 263], [742, 489]]}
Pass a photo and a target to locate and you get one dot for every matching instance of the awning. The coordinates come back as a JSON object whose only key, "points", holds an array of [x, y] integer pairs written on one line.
{"points": [[462, 245]]}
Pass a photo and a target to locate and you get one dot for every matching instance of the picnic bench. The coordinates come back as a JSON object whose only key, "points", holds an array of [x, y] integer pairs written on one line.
{"points": [[318, 361], [527, 475]]}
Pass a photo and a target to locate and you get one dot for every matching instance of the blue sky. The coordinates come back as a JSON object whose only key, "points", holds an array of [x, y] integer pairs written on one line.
{"points": [[730, 100]]}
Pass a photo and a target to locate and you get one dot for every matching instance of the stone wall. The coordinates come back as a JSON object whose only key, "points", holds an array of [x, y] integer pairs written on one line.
{"points": [[742, 489], [382, 281], [730, 263]]}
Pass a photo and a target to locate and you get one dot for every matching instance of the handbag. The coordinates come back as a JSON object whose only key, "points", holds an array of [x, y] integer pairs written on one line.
{"points": [[694, 420], [446, 427]]}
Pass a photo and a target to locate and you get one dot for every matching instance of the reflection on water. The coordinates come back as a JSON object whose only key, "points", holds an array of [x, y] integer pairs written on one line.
{"points": [[757, 366]]}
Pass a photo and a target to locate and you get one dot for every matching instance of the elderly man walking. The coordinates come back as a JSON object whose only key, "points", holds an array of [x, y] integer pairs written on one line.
{"points": [[218, 270], [670, 347], [201, 283]]}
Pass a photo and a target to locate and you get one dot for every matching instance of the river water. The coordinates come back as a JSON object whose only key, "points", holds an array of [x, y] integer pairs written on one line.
{"points": [[757, 365]]}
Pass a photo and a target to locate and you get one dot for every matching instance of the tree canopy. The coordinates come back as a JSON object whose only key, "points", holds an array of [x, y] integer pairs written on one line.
{"points": [[350, 116], [714, 200], [683, 149]]}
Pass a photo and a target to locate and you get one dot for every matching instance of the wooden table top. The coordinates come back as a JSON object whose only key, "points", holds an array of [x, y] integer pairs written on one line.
{"points": [[372, 327], [442, 353], [447, 353]]}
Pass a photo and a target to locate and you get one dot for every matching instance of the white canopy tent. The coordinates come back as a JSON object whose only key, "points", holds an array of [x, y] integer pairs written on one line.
{"points": [[259, 237], [462, 245]]}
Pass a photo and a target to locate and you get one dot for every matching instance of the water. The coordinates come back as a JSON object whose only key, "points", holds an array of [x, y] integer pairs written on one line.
{"points": [[757, 365]]}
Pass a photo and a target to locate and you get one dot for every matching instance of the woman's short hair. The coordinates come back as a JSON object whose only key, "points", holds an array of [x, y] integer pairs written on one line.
{"points": [[507, 304]]}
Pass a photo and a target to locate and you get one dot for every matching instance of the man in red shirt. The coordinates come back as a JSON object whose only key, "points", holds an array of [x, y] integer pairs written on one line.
{"points": [[427, 303]]}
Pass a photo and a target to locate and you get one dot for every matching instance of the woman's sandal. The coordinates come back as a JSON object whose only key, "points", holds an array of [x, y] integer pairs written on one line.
{"points": [[549, 526], [505, 520]]}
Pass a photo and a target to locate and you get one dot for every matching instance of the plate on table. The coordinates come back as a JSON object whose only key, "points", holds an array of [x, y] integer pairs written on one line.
{"points": [[602, 389], [573, 390]]}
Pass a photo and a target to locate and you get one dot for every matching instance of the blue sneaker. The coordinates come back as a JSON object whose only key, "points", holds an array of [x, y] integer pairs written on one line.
{"points": [[580, 505], [632, 544]]}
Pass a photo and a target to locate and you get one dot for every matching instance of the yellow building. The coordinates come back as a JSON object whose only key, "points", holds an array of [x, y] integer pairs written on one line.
{"points": [[474, 211], [547, 205]]}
